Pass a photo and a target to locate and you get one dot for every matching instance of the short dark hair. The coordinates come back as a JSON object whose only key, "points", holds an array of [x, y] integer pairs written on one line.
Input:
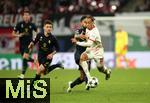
{"points": [[90, 17], [82, 18], [25, 11], [48, 22]]}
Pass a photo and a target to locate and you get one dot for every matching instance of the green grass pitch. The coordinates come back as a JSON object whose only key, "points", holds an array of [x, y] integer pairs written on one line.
{"points": [[125, 86]]}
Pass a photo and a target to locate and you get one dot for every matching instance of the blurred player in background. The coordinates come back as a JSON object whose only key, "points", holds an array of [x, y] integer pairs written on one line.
{"points": [[24, 30], [78, 52], [121, 46], [48, 46], [94, 49]]}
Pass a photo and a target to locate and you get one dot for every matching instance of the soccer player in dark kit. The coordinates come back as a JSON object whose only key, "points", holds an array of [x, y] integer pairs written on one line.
{"points": [[48, 46], [24, 30], [78, 52]]}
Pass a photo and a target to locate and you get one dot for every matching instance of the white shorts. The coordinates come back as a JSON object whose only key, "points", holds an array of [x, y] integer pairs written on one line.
{"points": [[95, 53]]}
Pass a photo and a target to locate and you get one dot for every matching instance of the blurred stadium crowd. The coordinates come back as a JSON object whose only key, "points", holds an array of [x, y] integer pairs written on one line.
{"points": [[63, 6]]}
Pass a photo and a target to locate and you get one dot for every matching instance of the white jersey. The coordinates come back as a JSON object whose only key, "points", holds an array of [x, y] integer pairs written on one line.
{"points": [[94, 45], [94, 37]]}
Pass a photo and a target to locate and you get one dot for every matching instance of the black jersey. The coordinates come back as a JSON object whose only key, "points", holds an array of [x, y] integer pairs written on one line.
{"points": [[27, 29], [82, 30], [46, 45]]}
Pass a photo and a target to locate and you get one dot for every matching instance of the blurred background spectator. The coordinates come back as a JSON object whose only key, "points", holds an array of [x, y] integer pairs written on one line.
{"points": [[63, 6]]}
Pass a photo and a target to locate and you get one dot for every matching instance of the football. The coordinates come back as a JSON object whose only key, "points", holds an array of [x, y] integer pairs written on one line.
{"points": [[93, 82]]}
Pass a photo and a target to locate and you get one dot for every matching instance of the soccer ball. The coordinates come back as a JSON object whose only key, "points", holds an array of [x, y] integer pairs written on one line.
{"points": [[93, 82]]}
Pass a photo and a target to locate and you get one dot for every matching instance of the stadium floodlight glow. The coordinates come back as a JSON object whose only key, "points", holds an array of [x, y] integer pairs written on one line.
{"points": [[93, 3], [113, 7], [71, 7], [100, 5]]}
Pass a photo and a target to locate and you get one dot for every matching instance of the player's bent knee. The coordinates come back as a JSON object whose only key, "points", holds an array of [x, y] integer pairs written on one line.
{"points": [[84, 57], [42, 68]]}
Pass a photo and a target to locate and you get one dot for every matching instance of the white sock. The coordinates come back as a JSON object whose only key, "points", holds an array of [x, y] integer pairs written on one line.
{"points": [[84, 65]]}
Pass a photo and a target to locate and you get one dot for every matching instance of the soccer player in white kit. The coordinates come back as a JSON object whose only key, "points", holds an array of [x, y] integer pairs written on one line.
{"points": [[94, 49]]}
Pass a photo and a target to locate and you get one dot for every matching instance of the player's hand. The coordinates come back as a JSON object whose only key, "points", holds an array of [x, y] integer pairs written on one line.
{"points": [[50, 56], [73, 40], [83, 36], [25, 55], [31, 45], [21, 34]]}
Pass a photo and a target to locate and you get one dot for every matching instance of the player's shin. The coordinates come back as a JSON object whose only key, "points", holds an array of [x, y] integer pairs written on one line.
{"points": [[76, 82], [25, 65], [85, 69], [105, 70], [35, 80], [102, 69], [52, 67]]}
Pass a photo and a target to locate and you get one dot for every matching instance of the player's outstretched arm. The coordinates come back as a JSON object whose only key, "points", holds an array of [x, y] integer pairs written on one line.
{"points": [[85, 44], [16, 34], [30, 46]]}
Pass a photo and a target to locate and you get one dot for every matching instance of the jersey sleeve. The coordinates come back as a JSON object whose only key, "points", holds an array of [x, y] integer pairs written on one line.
{"points": [[37, 38], [85, 44], [17, 28], [56, 45]]}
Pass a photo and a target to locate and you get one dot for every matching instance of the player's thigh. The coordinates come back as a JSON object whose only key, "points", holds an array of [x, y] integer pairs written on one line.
{"points": [[44, 61], [77, 57]]}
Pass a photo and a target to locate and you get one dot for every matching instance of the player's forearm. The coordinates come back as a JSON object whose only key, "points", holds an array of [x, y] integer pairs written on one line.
{"points": [[34, 41], [76, 36], [54, 52], [16, 34], [84, 44]]}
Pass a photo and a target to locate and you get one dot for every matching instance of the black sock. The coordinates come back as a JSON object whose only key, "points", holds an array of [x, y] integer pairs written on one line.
{"points": [[52, 67], [85, 79], [89, 65], [101, 69], [80, 68], [30, 59], [76, 82], [25, 65], [37, 77]]}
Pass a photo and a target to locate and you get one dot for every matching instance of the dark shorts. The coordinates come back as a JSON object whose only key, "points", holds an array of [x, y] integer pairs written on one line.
{"points": [[42, 59], [23, 50], [77, 56]]}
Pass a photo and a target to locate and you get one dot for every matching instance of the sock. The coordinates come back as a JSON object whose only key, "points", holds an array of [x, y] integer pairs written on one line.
{"points": [[102, 69], [89, 65], [85, 79], [76, 82], [37, 77], [52, 67], [25, 65], [85, 68]]}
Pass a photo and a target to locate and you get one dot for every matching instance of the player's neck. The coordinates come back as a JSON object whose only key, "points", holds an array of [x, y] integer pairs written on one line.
{"points": [[26, 22], [47, 34]]}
